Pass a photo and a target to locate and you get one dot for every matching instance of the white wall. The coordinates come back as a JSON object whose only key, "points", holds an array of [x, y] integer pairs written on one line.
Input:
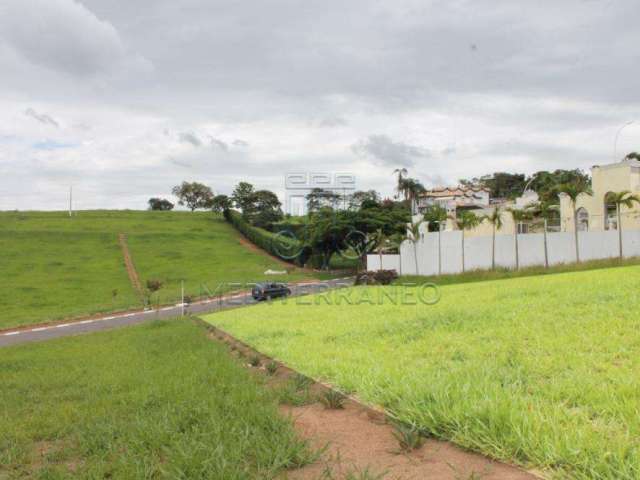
{"points": [[447, 258]]}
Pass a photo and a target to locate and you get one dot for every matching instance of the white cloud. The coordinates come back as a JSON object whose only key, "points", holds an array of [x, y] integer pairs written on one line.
{"points": [[450, 89]]}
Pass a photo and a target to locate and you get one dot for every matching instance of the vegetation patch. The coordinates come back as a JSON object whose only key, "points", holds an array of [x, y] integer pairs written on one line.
{"points": [[59, 267], [537, 370], [158, 400]]}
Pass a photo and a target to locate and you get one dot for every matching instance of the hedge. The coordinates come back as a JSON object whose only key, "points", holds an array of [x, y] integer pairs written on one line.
{"points": [[265, 239]]}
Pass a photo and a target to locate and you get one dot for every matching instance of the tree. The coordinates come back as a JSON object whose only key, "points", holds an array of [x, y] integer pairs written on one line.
{"points": [[326, 233], [399, 184], [633, 156], [495, 219], [194, 195], [265, 208], [518, 215], [364, 199], [545, 210], [466, 220], [573, 191], [242, 197], [220, 203], [620, 199], [435, 215], [153, 286], [381, 241], [413, 234], [161, 204], [320, 198]]}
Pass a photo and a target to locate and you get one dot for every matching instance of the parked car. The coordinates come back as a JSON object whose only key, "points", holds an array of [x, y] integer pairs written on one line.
{"points": [[267, 291]]}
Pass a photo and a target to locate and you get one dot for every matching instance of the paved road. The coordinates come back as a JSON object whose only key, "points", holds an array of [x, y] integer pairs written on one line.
{"points": [[38, 334]]}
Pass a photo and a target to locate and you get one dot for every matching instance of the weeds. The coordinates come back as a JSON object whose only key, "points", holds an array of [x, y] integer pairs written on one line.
{"points": [[408, 437], [271, 368], [333, 399], [254, 361]]}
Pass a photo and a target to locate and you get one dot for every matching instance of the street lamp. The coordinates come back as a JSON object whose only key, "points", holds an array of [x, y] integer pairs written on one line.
{"points": [[615, 142]]}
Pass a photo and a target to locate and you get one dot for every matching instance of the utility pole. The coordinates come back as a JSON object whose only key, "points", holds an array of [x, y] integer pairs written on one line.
{"points": [[70, 200]]}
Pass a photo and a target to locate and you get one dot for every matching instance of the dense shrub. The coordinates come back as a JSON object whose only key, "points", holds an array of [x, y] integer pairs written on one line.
{"points": [[268, 241], [385, 277], [378, 277]]}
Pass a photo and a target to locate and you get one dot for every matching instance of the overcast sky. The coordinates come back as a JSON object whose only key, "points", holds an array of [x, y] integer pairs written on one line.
{"points": [[124, 99]]}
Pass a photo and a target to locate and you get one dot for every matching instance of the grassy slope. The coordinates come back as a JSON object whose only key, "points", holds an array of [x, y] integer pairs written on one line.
{"points": [[158, 400], [55, 267], [538, 370]]}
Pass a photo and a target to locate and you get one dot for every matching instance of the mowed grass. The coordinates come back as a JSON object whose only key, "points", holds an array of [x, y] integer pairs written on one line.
{"points": [[47, 275], [153, 401], [57, 267], [540, 371]]}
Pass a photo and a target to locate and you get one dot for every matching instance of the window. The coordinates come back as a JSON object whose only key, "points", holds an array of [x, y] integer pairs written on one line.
{"points": [[523, 228], [583, 219]]}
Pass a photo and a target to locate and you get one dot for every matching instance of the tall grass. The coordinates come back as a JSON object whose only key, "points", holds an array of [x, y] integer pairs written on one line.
{"points": [[540, 370], [151, 401]]}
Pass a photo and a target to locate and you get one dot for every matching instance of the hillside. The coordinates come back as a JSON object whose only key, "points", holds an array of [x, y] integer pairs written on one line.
{"points": [[58, 267]]}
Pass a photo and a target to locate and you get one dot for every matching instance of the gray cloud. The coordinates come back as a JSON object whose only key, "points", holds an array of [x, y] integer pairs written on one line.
{"points": [[240, 143], [219, 144], [385, 151], [191, 138], [456, 77], [62, 35], [41, 117], [333, 122]]}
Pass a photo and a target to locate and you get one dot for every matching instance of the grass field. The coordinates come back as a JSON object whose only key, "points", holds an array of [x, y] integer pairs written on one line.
{"points": [[152, 401], [56, 267], [542, 371]]}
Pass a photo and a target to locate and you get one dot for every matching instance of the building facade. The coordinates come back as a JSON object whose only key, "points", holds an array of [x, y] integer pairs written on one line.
{"points": [[594, 212]]}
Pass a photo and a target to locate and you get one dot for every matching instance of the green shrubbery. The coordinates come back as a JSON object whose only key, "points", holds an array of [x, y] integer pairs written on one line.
{"points": [[277, 245]]}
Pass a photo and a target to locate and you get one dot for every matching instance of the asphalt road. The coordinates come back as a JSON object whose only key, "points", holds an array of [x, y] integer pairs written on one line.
{"points": [[38, 334]]}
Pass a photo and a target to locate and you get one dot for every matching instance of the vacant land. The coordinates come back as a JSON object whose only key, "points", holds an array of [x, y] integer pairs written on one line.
{"points": [[56, 267], [158, 400], [540, 371]]}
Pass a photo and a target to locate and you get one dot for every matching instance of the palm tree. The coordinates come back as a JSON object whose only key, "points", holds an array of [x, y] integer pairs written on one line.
{"points": [[573, 191], [380, 240], [466, 220], [545, 210], [413, 234], [399, 185], [495, 219], [411, 188], [624, 198], [518, 216]]}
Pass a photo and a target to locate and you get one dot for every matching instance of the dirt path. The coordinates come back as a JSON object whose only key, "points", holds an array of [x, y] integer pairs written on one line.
{"points": [[360, 441], [357, 444], [131, 269]]}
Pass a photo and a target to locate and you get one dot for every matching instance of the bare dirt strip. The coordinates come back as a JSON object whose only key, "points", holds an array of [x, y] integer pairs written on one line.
{"points": [[358, 440], [128, 261]]}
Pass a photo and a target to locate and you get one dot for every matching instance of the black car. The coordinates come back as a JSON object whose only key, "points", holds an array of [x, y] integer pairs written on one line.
{"points": [[267, 291]]}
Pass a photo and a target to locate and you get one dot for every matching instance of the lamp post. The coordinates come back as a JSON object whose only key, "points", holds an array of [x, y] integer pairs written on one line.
{"points": [[615, 141]]}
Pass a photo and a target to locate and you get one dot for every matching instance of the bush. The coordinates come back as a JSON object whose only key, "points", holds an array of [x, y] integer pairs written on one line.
{"points": [[385, 277], [267, 240], [378, 277]]}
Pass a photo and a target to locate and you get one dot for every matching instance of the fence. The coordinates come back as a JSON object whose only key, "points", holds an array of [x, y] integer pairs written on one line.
{"points": [[442, 252]]}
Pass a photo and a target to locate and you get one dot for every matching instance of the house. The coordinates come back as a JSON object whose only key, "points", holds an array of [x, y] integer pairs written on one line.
{"points": [[593, 211], [477, 199]]}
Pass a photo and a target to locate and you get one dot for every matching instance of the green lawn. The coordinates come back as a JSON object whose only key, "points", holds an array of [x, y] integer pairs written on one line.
{"points": [[542, 371], [56, 267], [153, 401]]}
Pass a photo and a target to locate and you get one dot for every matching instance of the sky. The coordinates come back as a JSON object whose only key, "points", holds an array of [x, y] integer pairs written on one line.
{"points": [[125, 99]]}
